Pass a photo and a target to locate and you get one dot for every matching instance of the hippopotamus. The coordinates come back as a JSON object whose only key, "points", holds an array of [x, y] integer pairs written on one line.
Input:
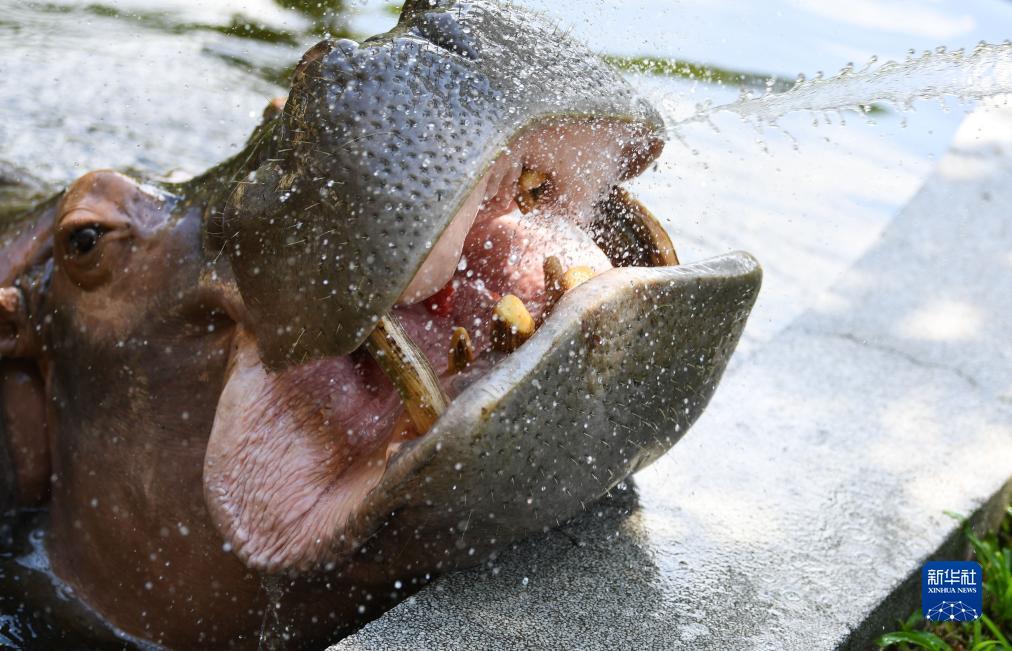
{"points": [[416, 319]]}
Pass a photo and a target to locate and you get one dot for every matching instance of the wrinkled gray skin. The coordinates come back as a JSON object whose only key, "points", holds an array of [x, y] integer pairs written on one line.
{"points": [[377, 148]]}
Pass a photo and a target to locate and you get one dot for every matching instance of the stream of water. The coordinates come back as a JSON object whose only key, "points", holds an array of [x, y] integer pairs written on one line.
{"points": [[983, 73]]}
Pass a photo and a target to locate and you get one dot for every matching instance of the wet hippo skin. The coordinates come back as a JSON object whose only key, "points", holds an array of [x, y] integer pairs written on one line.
{"points": [[413, 321]]}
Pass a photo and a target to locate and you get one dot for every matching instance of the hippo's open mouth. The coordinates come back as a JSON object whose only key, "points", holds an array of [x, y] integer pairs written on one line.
{"points": [[294, 453], [460, 328]]}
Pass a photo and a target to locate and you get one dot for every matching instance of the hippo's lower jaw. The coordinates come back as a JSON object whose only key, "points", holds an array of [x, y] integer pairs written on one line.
{"points": [[473, 445]]}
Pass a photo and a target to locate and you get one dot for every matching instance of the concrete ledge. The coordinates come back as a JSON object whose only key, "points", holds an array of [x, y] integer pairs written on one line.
{"points": [[796, 512]]}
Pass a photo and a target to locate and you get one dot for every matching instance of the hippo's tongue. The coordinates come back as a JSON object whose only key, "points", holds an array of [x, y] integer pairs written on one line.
{"points": [[294, 453]]}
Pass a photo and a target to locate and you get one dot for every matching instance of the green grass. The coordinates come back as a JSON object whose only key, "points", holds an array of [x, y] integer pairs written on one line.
{"points": [[994, 629], [645, 65]]}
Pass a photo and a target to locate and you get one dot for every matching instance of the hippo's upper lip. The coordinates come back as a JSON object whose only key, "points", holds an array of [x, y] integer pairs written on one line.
{"points": [[381, 145]]}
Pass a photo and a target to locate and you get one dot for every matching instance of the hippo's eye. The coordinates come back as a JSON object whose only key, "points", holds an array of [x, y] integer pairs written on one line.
{"points": [[84, 239]]}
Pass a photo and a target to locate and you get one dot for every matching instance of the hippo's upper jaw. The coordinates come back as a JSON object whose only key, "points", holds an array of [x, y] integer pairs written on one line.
{"points": [[435, 195]]}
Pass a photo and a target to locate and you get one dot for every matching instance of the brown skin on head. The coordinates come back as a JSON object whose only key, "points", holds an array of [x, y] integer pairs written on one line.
{"points": [[114, 352]]}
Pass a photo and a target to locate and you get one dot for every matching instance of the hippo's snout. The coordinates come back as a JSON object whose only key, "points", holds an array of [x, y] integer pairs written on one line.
{"points": [[383, 144]]}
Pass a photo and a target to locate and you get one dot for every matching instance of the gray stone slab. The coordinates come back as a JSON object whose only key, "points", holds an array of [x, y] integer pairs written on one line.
{"points": [[815, 486]]}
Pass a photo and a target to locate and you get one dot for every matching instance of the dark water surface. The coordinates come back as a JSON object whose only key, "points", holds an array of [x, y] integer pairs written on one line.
{"points": [[37, 610]]}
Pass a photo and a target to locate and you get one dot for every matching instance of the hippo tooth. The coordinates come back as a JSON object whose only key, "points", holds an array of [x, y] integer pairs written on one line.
{"points": [[576, 276], [554, 271], [512, 324], [530, 186], [558, 282], [461, 351], [409, 371], [629, 234]]}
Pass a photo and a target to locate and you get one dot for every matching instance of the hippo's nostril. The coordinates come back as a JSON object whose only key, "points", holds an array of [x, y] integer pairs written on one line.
{"points": [[312, 55], [442, 30]]}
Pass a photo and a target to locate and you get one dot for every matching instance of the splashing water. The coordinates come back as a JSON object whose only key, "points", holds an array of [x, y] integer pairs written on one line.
{"points": [[983, 73], [274, 634]]}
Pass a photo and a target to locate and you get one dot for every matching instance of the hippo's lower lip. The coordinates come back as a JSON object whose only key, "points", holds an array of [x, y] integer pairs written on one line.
{"points": [[307, 463], [613, 378]]}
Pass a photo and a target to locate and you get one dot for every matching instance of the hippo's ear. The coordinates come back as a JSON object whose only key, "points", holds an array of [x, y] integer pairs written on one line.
{"points": [[420, 6], [26, 242], [24, 448], [16, 338]]}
